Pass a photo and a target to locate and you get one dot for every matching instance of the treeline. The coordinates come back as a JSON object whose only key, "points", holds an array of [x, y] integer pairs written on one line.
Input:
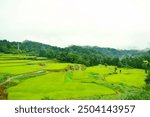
{"points": [[89, 56]]}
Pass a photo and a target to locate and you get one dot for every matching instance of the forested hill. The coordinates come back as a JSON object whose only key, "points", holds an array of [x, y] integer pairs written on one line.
{"points": [[77, 54], [119, 53], [36, 48]]}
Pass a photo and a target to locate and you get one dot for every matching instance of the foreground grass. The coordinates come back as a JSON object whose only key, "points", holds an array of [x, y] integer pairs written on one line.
{"points": [[55, 86], [78, 84]]}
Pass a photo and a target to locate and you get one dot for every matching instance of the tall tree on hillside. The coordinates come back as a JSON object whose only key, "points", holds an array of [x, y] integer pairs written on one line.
{"points": [[147, 80], [145, 66], [50, 54], [147, 70], [42, 53]]}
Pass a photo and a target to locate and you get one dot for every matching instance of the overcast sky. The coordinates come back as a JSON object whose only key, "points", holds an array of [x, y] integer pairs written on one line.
{"points": [[123, 24]]}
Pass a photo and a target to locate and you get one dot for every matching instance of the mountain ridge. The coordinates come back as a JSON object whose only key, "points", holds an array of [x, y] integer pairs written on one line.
{"points": [[107, 51]]}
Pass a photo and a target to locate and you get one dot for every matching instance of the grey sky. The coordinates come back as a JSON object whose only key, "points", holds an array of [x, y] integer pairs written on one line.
{"points": [[106, 23]]}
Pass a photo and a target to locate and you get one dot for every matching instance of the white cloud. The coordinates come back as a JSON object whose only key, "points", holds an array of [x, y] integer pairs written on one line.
{"points": [[106, 23]]}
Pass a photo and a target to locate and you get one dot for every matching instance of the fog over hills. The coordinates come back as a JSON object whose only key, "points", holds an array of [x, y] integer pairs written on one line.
{"points": [[119, 24]]}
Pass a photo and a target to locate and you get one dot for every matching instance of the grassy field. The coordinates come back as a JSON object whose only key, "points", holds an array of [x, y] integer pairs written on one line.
{"points": [[55, 81], [56, 86]]}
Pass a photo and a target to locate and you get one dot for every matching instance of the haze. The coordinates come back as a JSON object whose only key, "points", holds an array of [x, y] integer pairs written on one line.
{"points": [[121, 24]]}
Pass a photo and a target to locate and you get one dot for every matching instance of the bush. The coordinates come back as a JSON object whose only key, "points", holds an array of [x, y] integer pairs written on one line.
{"points": [[147, 80], [142, 95]]}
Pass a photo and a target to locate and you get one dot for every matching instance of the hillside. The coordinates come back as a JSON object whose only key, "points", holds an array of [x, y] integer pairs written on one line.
{"points": [[35, 47], [37, 78], [87, 55], [35, 71]]}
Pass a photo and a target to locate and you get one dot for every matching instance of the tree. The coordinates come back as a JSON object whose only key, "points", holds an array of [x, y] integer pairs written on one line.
{"points": [[115, 70], [50, 54], [145, 66], [42, 53], [147, 80]]}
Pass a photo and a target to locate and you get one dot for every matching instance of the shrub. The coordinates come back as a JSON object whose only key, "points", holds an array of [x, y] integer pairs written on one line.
{"points": [[141, 95], [147, 80]]}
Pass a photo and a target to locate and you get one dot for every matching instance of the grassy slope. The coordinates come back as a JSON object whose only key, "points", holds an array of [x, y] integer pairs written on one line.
{"points": [[55, 86], [98, 82], [19, 66], [131, 77], [78, 84]]}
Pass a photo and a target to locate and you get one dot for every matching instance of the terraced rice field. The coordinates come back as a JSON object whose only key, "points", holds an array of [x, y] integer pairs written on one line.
{"points": [[39, 78]]}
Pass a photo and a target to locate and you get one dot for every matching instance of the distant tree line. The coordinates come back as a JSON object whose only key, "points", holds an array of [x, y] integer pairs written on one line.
{"points": [[86, 55]]}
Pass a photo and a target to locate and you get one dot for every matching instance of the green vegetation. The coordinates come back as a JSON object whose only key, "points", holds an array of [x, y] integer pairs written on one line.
{"points": [[89, 56], [79, 84], [55, 86], [49, 79], [132, 78], [43, 72]]}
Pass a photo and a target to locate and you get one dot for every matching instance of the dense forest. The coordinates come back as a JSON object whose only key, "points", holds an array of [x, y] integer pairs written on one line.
{"points": [[86, 55]]}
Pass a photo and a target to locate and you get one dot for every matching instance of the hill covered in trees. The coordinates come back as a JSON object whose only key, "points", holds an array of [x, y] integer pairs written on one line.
{"points": [[87, 55]]}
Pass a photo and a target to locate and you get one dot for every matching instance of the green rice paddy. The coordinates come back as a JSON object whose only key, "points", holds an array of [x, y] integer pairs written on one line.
{"points": [[55, 82]]}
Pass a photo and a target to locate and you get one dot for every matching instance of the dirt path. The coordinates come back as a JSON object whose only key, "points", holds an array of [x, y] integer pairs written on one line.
{"points": [[29, 74], [22, 76]]}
